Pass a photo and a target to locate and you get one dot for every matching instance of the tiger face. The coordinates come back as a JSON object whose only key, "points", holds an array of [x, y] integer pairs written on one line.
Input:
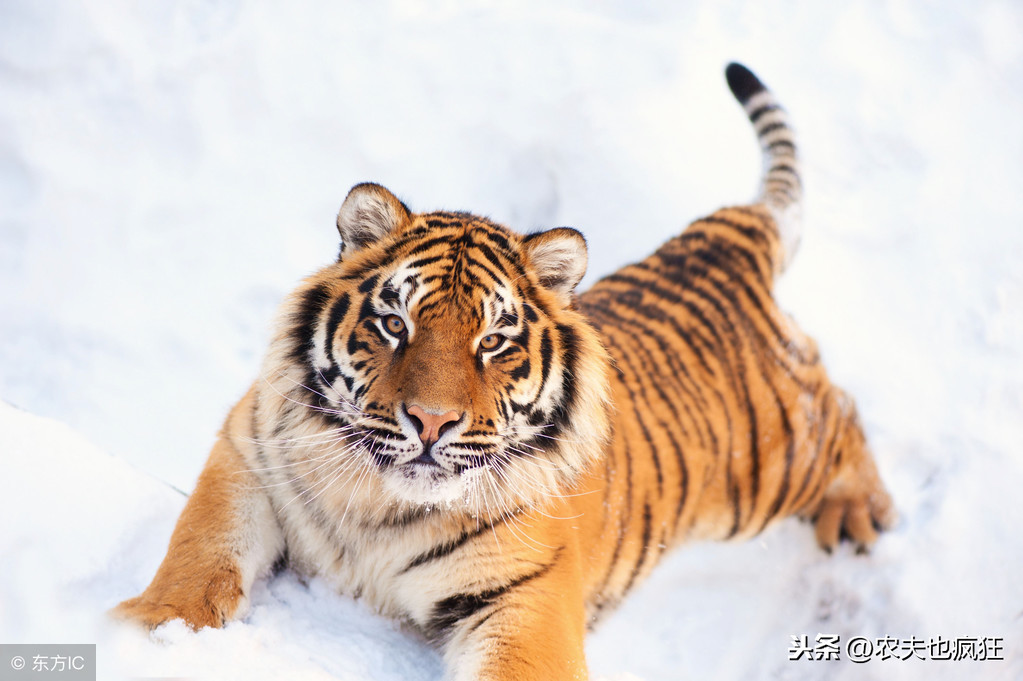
{"points": [[444, 352]]}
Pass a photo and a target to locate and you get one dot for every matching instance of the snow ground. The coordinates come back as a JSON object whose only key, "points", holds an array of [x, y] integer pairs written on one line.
{"points": [[169, 170]]}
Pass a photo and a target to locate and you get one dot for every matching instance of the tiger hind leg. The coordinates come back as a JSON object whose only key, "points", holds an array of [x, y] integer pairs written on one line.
{"points": [[855, 504]]}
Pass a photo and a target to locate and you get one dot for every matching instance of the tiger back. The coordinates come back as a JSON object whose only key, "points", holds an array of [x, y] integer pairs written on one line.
{"points": [[445, 429]]}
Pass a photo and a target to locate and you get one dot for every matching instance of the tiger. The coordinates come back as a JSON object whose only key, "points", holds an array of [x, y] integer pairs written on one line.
{"points": [[445, 428]]}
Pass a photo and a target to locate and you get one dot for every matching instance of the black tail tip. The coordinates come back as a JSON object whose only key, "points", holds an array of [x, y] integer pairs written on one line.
{"points": [[741, 81]]}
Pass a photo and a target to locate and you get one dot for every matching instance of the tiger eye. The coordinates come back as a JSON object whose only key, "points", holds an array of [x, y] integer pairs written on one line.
{"points": [[394, 324], [490, 341]]}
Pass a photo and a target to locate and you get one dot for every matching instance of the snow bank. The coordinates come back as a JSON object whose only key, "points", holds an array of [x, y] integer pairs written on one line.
{"points": [[85, 530]]}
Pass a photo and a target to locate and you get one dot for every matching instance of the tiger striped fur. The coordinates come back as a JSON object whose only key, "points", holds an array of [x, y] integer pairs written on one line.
{"points": [[446, 430]]}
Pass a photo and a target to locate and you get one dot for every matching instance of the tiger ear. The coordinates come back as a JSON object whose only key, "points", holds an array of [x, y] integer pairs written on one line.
{"points": [[558, 256], [369, 213]]}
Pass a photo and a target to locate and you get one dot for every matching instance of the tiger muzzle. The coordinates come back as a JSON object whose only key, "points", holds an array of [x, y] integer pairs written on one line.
{"points": [[430, 427]]}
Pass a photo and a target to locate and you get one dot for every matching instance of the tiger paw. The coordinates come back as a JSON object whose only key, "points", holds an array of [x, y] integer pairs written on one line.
{"points": [[210, 605], [857, 518]]}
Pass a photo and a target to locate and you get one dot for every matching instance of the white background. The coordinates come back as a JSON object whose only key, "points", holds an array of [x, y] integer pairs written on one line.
{"points": [[169, 170]]}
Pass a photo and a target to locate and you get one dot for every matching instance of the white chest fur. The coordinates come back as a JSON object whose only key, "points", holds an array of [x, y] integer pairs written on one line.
{"points": [[380, 564]]}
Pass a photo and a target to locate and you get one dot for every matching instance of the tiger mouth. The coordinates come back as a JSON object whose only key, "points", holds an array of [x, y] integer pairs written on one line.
{"points": [[414, 470], [426, 464], [425, 460]]}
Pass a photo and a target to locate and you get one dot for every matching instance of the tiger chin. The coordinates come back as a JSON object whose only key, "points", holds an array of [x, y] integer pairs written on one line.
{"points": [[445, 427]]}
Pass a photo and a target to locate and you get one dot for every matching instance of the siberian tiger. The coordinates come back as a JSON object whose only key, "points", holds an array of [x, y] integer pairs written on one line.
{"points": [[446, 430]]}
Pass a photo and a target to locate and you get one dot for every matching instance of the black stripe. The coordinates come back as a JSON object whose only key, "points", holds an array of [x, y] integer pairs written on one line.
{"points": [[500, 240], [454, 609], [755, 115], [778, 144], [424, 246], [427, 260], [367, 266], [445, 549], [624, 519], [784, 167], [329, 375], [470, 264], [790, 443], [367, 310], [546, 356], [371, 326], [827, 453], [729, 257], [822, 419], [305, 320], [569, 360], [495, 261], [754, 439], [644, 549], [337, 313], [754, 232], [367, 285], [771, 127], [521, 372], [354, 344], [736, 505], [389, 295]]}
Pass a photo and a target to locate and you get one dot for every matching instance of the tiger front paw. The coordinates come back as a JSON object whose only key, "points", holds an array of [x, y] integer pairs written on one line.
{"points": [[857, 518], [211, 604]]}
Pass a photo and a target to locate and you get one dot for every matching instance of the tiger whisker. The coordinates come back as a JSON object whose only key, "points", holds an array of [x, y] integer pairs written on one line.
{"points": [[352, 410], [337, 476], [518, 430], [364, 472], [324, 437], [311, 407], [329, 453], [343, 454], [334, 390], [539, 462], [520, 532]]}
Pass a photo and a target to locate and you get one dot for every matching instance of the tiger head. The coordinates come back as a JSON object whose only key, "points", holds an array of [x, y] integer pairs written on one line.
{"points": [[443, 353]]}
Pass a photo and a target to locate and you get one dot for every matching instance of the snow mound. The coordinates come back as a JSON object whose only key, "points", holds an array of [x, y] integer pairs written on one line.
{"points": [[90, 531]]}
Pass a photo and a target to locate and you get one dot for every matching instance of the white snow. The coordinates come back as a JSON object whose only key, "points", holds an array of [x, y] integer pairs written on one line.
{"points": [[169, 170]]}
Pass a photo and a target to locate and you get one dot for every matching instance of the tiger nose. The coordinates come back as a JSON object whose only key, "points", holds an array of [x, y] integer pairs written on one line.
{"points": [[431, 426]]}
